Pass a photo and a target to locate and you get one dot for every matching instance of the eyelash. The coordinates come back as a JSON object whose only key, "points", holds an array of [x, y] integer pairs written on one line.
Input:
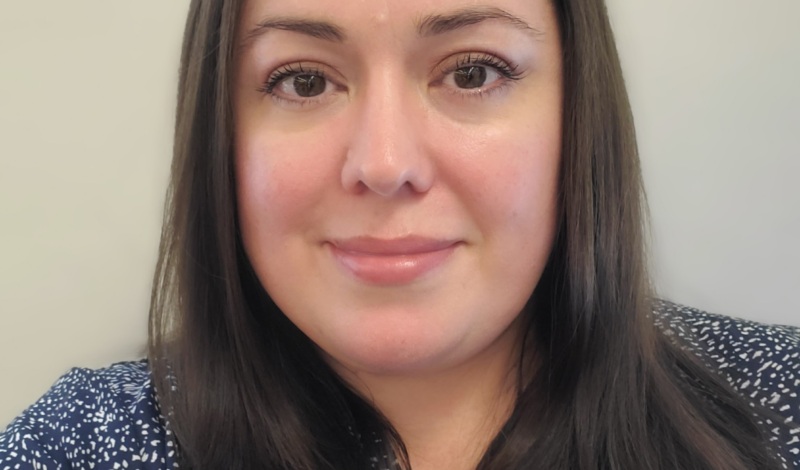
{"points": [[504, 68], [287, 71], [508, 71]]}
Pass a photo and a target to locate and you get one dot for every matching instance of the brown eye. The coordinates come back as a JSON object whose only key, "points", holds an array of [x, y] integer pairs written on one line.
{"points": [[308, 85], [297, 85], [472, 76]]}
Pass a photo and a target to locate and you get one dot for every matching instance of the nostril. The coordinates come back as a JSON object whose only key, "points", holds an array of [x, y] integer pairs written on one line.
{"points": [[388, 174], [386, 156], [387, 185], [383, 179]]}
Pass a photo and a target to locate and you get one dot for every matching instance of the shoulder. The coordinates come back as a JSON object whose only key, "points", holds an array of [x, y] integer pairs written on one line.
{"points": [[718, 334], [104, 418], [733, 345], [760, 361]]}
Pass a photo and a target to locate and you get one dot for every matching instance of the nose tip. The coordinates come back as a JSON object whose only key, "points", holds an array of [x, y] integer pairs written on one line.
{"points": [[386, 175], [387, 154]]}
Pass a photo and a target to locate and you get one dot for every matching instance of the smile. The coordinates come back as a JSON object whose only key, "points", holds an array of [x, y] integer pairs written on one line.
{"points": [[391, 261]]}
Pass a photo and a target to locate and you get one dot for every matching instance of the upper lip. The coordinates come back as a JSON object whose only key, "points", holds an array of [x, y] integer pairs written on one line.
{"points": [[408, 245]]}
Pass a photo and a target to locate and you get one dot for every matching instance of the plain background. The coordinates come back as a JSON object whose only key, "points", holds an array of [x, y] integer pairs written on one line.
{"points": [[86, 107]]}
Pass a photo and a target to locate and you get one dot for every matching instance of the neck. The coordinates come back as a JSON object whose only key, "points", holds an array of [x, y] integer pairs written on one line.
{"points": [[448, 418]]}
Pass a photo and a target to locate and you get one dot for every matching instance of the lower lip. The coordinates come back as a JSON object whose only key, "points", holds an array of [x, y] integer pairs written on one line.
{"points": [[391, 269]]}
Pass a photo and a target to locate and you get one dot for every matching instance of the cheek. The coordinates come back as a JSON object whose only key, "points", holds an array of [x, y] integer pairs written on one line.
{"points": [[510, 180], [281, 182], [531, 185]]}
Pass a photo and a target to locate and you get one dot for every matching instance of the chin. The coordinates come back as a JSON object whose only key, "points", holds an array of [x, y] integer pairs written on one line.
{"points": [[394, 352]]}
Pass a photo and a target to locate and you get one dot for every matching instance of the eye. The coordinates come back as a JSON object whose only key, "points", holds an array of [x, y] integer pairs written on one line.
{"points": [[305, 85], [297, 83], [476, 72], [474, 76]]}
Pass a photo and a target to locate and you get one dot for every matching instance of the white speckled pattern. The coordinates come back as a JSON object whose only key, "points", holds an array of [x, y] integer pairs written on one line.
{"points": [[92, 419], [760, 361], [110, 418]]}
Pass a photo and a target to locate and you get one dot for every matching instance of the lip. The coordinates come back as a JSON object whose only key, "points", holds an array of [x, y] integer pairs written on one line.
{"points": [[393, 261]]}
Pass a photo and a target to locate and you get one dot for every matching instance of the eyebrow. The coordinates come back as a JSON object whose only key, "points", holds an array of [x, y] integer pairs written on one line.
{"points": [[315, 29], [430, 25], [433, 25]]}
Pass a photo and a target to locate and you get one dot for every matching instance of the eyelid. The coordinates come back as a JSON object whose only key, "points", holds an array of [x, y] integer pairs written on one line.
{"points": [[506, 68], [508, 72], [292, 69]]}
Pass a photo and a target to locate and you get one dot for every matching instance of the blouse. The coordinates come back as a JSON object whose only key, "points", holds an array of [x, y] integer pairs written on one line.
{"points": [[110, 418]]}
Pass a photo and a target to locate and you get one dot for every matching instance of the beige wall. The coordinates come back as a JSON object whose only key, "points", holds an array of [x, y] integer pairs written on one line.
{"points": [[86, 99], [715, 87], [86, 106]]}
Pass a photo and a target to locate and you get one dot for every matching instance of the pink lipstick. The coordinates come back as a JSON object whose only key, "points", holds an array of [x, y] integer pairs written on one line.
{"points": [[391, 261]]}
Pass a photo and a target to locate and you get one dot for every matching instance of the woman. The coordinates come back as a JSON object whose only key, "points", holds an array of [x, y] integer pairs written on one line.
{"points": [[411, 235]]}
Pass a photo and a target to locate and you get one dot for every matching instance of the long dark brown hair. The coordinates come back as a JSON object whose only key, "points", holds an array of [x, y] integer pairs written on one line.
{"points": [[242, 387]]}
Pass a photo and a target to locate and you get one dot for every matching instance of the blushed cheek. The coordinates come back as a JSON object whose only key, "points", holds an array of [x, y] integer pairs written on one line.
{"points": [[281, 182], [535, 181], [510, 180]]}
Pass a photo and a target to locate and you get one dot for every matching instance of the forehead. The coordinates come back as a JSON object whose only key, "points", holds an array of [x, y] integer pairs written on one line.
{"points": [[395, 19]]}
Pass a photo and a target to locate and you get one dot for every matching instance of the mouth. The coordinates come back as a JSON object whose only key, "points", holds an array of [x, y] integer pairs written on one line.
{"points": [[395, 261]]}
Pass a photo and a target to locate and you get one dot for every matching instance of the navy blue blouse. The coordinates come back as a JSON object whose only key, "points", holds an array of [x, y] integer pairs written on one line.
{"points": [[110, 418]]}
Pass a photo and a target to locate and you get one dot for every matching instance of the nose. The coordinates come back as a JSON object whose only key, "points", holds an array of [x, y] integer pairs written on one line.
{"points": [[386, 154]]}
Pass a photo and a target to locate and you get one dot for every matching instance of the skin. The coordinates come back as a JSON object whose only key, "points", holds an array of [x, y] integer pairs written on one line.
{"points": [[394, 147]]}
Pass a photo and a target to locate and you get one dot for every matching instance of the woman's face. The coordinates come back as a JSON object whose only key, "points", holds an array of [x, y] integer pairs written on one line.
{"points": [[396, 168]]}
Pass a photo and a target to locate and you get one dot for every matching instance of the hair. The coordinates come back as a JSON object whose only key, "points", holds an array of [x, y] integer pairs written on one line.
{"points": [[241, 387]]}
